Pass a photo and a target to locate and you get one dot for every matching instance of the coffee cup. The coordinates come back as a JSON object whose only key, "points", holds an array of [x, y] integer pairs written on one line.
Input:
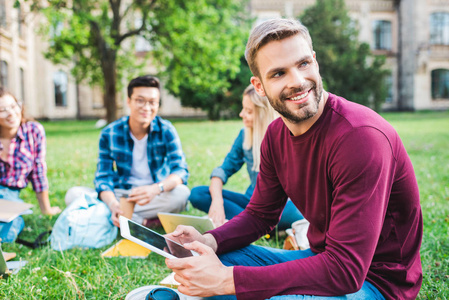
{"points": [[127, 207]]}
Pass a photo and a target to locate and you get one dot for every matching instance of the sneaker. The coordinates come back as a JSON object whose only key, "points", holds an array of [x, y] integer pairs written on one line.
{"points": [[300, 229]]}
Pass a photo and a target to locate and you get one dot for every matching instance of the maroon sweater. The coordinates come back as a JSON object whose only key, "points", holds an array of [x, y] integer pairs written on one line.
{"points": [[351, 177]]}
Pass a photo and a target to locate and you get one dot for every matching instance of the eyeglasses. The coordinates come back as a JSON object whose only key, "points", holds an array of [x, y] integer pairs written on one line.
{"points": [[142, 102], [162, 294], [6, 110]]}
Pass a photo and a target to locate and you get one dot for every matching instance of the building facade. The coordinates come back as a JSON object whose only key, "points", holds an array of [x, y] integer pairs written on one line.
{"points": [[49, 91], [412, 34]]}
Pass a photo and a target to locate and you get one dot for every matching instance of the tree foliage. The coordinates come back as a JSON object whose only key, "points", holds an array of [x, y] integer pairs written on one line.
{"points": [[226, 102], [193, 43], [347, 66], [203, 65]]}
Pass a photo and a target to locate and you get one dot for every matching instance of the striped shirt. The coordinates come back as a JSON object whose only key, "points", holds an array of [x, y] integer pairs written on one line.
{"points": [[26, 159], [164, 151]]}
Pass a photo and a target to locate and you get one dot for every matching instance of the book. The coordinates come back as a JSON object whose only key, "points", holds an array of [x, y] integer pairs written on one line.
{"points": [[9, 210], [8, 255], [126, 248]]}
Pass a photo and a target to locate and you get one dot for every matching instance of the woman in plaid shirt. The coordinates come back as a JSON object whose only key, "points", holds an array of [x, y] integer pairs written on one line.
{"points": [[22, 159]]}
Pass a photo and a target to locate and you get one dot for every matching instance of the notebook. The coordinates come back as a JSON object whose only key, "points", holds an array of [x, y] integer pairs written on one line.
{"points": [[9, 210], [170, 221], [124, 248]]}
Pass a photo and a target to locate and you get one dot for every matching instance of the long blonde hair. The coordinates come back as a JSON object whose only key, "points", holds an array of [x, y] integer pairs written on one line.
{"points": [[264, 114]]}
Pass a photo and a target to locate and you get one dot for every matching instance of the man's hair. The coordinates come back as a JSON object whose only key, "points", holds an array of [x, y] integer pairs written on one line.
{"points": [[272, 30], [145, 81]]}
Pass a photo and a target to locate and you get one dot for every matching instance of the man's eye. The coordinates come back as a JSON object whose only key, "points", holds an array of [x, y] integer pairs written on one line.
{"points": [[278, 74], [304, 64]]}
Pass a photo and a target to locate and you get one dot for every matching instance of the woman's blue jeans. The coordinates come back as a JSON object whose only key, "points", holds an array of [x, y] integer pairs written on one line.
{"points": [[264, 256], [10, 231], [234, 203]]}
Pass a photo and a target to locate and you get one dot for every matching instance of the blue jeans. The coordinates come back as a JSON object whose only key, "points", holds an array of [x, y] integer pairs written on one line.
{"points": [[10, 231], [264, 256], [234, 203]]}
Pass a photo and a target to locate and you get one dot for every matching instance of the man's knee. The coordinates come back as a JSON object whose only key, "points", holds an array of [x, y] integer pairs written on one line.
{"points": [[177, 198], [199, 194]]}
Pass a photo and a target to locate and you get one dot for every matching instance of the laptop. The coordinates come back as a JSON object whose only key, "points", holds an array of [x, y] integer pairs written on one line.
{"points": [[3, 268], [9, 210], [170, 221], [11, 267]]}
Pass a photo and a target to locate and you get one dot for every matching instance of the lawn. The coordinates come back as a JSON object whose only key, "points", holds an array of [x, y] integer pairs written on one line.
{"points": [[84, 274]]}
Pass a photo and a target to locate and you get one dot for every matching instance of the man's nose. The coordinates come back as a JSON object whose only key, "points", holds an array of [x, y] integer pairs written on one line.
{"points": [[296, 78]]}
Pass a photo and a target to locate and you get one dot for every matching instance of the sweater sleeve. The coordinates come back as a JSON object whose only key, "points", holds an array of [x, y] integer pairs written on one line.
{"points": [[361, 168]]}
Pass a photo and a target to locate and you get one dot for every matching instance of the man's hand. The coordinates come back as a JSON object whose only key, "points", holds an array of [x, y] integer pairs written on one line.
{"points": [[114, 206], [217, 213], [203, 275], [187, 234], [144, 194]]}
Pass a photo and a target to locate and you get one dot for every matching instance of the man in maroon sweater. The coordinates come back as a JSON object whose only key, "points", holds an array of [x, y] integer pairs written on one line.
{"points": [[346, 170]]}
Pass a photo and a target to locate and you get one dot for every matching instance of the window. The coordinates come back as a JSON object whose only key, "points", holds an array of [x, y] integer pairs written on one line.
{"points": [[389, 86], [142, 44], [60, 81], [439, 28], [2, 13], [440, 84], [19, 20], [382, 35], [55, 31], [22, 84], [4, 74]]}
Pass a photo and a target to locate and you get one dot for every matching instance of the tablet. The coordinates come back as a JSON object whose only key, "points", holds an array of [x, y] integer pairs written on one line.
{"points": [[152, 240], [170, 221]]}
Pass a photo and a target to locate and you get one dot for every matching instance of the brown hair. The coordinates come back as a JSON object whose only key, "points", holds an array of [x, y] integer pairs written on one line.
{"points": [[272, 30], [4, 92]]}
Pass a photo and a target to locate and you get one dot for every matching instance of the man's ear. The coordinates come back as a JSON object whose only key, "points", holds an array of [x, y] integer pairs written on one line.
{"points": [[255, 81], [128, 101]]}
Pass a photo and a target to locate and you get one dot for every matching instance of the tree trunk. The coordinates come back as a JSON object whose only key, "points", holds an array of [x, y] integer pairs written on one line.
{"points": [[110, 85], [214, 110]]}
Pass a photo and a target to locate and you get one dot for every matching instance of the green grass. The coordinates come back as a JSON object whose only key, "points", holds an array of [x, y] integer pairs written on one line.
{"points": [[83, 274]]}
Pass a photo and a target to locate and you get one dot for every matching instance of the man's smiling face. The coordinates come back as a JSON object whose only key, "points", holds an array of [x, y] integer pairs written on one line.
{"points": [[289, 77]]}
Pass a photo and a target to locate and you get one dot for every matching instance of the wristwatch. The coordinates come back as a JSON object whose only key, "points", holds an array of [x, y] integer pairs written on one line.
{"points": [[161, 186]]}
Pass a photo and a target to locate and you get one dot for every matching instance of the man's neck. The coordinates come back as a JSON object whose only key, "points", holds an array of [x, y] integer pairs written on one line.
{"points": [[139, 130], [300, 128]]}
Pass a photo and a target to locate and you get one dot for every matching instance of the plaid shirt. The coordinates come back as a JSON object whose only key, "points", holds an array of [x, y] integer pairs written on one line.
{"points": [[115, 158], [26, 159]]}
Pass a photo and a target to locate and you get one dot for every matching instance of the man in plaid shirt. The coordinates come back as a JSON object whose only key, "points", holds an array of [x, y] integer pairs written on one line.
{"points": [[142, 153]]}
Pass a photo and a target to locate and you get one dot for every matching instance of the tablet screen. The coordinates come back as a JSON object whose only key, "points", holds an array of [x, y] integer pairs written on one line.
{"points": [[156, 240]]}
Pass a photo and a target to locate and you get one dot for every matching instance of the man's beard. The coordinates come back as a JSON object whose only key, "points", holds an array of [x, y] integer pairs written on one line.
{"points": [[307, 110]]}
